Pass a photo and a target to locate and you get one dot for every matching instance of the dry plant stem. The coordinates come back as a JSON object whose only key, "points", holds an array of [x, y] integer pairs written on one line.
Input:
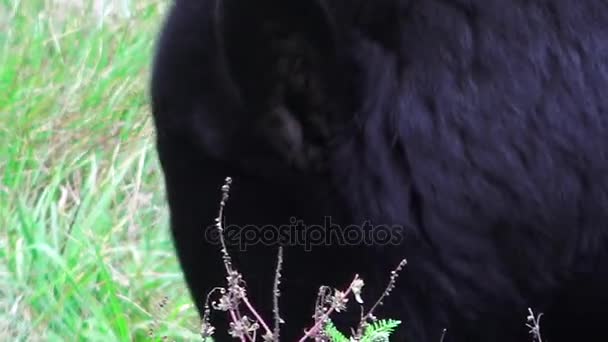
{"points": [[389, 288], [386, 293], [224, 250], [235, 318], [276, 293], [225, 256], [220, 226], [256, 315], [318, 325], [234, 314], [534, 325], [205, 319]]}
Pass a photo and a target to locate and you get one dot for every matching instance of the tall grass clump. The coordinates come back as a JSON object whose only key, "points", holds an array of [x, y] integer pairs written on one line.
{"points": [[85, 253]]}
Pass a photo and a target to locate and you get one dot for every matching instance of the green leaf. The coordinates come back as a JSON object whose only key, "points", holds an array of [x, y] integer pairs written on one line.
{"points": [[334, 334], [380, 331]]}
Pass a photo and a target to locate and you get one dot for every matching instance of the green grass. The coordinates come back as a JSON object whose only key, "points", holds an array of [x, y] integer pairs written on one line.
{"points": [[85, 251]]}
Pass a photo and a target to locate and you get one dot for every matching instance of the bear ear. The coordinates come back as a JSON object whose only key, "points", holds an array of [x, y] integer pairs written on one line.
{"points": [[282, 56], [257, 35]]}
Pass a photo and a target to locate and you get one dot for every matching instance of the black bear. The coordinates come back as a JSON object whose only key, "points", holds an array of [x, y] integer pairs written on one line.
{"points": [[468, 136]]}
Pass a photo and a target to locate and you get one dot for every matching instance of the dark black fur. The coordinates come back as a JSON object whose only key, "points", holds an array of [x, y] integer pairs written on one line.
{"points": [[479, 126]]}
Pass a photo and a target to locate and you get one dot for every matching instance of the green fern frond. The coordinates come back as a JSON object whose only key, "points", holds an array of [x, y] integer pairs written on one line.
{"points": [[334, 334], [380, 331]]}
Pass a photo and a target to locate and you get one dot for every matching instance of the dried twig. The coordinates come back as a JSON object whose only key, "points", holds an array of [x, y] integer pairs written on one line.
{"points": [[370, 314], [338, 300], [240, 325], [534, 325], [276, 294]]}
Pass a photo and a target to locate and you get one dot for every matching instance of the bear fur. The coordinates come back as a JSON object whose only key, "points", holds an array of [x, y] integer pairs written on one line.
{"points": [[474, 132]]}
